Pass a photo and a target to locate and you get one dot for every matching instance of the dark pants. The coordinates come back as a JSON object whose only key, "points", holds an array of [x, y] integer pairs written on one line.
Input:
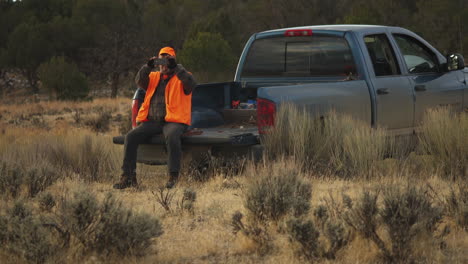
{"points": [[142, 133]]}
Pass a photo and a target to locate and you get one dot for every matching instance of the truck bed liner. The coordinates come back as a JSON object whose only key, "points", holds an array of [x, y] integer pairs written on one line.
{"points": [[210, 136]]}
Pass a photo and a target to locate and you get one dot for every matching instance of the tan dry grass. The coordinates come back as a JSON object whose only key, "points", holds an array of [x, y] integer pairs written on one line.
{"points": [[206, 235], [48, 115], [72, 152], [331, 145], [42, 107], [444, 136]]}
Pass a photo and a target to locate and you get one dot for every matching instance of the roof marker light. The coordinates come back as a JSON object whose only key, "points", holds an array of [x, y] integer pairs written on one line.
{"points": [[298, 32]]}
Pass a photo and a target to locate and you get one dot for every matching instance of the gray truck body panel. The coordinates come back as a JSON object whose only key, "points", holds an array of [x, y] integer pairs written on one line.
{"points": [[400, 110]]}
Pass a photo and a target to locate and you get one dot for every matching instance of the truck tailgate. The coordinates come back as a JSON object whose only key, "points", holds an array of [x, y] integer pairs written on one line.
{"points": [[239, 136]]}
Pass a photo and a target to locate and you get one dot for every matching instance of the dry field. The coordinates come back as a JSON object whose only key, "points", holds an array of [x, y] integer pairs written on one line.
{"points": [[338, 194]]}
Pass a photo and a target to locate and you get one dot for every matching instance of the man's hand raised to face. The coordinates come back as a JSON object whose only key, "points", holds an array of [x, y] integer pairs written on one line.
{"points": [[150, 62], [171, 62]]}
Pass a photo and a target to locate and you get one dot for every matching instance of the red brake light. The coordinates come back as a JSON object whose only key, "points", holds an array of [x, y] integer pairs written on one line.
{"points": [[298, 32], [266, 111], [135, 108]]}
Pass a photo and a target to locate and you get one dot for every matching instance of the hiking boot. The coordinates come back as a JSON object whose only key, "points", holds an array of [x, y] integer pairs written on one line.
{"points": [[126, 181], [173, 178]]}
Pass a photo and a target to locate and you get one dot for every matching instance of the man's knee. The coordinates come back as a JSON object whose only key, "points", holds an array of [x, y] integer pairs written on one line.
{"points": [[172, 133], [131, 138], [136, 136], [172, 137]]}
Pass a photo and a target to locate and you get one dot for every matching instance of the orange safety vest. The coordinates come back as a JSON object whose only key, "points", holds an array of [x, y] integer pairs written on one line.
{"points": [[178, 104]]}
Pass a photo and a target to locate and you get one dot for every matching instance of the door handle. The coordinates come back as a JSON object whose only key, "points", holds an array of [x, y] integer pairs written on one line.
{"points": [[382, 91], [420, 88]]}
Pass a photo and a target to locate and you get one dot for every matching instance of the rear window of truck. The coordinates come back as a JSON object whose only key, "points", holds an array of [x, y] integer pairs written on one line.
{"points": [[311, 56]]}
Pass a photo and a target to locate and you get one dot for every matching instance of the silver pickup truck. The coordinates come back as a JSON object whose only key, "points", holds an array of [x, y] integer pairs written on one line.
{"points": [[385, 76]]}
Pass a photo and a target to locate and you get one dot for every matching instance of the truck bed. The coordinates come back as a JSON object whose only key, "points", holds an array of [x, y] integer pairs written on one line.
{"points": [[224, 135]]}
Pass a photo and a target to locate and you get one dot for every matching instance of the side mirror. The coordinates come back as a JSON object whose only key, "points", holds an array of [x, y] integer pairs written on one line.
{"points": [[455, 62]]}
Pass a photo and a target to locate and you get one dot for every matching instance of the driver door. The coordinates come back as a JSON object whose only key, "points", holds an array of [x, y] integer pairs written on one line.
{"points": [[432, 86]]}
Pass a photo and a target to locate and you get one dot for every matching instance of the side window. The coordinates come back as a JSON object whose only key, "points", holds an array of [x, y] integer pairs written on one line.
{"points": [[418, 58], [382, 55]]}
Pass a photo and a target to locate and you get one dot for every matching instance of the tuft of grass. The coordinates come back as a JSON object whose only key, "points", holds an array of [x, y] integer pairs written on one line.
{"points": [[444, 137], [46, 156], [333, 144]]}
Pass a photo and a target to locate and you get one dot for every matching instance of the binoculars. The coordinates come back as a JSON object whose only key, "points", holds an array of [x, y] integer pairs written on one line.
{"points": [[171, 62], [162, 61]]}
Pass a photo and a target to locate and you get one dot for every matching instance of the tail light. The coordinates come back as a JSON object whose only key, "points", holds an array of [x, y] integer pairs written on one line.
{"points": [[135, 108], [266, 111]]}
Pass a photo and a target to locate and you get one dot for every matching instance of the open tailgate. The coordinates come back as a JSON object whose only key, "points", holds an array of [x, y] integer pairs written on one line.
{"points": [[210, 136]]}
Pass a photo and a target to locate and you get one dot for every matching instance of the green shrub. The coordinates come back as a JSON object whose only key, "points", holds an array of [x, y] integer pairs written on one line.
{"points": [[406, 214], [63, 79], [444, 137], [457, 205], [255, 230], [100, 121], [277, 193], [23, 234], [80, 223], [306, 235], [11, 178], [338, 237], [35, 176], [79, 213], [124, 232], [207, 54], [318, 239], [188, 200], [321, 214], [40, 176], [108, 227], [47, 202]]}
